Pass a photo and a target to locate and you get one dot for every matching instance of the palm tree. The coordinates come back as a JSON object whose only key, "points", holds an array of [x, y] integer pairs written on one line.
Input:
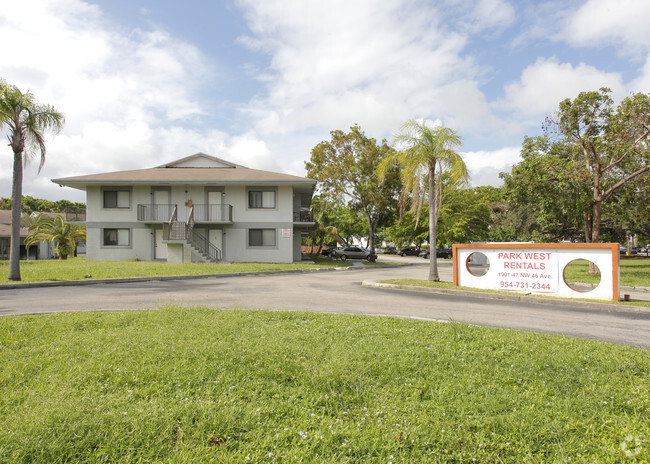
{"points": [[26, 121], [62, 235], [426, 152]]}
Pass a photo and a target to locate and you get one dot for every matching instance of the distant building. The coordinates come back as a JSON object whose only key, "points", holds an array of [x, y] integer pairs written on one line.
{"points": [[41, 250], [198, 208]]}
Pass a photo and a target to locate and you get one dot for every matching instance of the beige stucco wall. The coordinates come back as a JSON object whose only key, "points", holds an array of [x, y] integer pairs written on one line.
{"points": [[235, 238]]}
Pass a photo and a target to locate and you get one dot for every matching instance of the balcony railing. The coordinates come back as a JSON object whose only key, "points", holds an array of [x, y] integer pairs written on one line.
{"points": [[303, 216], [213, 213], [155, 213], [74, 214]]}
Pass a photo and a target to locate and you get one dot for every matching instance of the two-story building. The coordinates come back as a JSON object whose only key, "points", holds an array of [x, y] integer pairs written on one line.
{"points": [[199, 208]]}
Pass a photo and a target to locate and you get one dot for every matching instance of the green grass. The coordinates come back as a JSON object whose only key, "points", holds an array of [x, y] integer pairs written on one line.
{"points": [[635, 272], [48, 270], [202, 385]]}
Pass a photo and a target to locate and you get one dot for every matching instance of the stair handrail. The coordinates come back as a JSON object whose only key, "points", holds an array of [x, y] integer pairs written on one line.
{"points": [[199, 241]]}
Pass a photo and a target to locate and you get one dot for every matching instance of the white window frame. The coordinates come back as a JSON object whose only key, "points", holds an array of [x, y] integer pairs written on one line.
{"points": [[123, 237], [122, 198], [267, 236], [268, 195]]}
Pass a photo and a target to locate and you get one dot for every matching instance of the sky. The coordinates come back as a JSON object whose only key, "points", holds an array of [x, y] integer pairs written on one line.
{"points": [[260, 83]]}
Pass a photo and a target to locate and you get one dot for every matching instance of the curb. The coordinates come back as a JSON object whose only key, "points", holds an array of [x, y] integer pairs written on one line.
{"points": [[75, 283], [504, 297], [124, 280]]}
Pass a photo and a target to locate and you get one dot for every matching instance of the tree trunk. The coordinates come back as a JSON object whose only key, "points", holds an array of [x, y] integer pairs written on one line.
{"points": [[371, 232], [596, 220], [595, 231], [433, 239], [16, 212], [588, 227], [371, 239]]}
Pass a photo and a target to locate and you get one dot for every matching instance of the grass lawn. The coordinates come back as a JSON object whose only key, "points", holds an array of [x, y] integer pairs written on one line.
{"points": [[635, 272], [203, 385], [48, 270]]}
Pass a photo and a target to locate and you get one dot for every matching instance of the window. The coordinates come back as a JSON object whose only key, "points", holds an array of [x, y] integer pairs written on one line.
{"points": [[117, 237], [117, 199], [261, 237], [261, 198]]}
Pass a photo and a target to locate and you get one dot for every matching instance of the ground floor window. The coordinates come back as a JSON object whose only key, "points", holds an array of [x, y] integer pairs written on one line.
{"points": [[261, 237], [117, 237]]}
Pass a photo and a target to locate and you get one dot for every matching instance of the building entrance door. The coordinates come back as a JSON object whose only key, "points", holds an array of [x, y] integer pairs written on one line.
{"points": [[159, 248]]}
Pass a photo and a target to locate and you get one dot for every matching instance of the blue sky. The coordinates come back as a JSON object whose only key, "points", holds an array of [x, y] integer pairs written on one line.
{"points": [[260, 83]]}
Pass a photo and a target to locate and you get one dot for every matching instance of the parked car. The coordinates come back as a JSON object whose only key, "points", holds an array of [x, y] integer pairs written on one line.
{"points": [[410, 251], [440, 253], [351, 252], [329, 251]]}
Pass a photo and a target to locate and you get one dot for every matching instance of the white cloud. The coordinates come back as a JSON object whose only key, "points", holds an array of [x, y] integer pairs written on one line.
{"points": [[544, 84], [492, 15], [604, 22], [334, 64], [484, 166], [642, 82], [123, 92]]}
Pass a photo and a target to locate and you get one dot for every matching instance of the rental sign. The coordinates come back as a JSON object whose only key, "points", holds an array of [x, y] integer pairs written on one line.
{"points": [[536, 268], [527, 270]]}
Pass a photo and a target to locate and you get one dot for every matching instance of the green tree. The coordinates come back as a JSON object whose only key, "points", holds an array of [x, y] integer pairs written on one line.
{"points": [[323, 230], [39, 205], [465, 216], [346, 168], [609, 145], [26, 122], [407, 230], [628, 213], [62, 235], [547, 192], [425, 150]]}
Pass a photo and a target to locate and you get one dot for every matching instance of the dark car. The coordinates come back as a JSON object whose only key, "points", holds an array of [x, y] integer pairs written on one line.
{"points": [[329, 251], [440, 253], [351, 252], [410, 251]]}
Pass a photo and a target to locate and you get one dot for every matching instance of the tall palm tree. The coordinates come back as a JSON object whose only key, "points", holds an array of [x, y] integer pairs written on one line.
{"points": [[26, 121], [425, 152], [62, 235]]}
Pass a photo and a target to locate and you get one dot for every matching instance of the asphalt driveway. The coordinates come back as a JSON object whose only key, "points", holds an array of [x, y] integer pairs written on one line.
{"points": [[339, 291]]}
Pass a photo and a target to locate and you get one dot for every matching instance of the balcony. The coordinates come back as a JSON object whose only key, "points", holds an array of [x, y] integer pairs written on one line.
{"points": [[213, 214], [155, 213], [303, 216]]}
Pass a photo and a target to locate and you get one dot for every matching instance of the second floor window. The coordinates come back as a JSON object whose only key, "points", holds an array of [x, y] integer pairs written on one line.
{"points": [[261, 198], [117, 199]]}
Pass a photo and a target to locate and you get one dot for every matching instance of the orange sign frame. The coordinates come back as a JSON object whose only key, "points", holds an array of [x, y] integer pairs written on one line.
{"points": [[614, 247]]}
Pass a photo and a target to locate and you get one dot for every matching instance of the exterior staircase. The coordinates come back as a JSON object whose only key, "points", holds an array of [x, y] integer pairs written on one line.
{"points": [[184, 231]]}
